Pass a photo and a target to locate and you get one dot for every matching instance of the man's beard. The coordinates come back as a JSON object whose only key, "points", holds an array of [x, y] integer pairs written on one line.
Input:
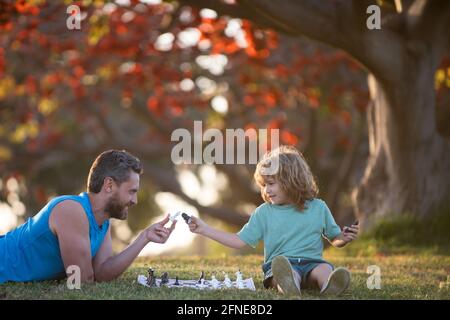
{"points": [[116, 209]]}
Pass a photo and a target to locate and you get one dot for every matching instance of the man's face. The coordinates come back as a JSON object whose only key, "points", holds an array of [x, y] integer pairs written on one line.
{"points": [[123, 197]]}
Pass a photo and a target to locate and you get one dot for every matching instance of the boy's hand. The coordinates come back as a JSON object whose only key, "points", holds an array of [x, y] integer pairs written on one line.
{"points": [[197, 225], [350, 233], [158, 232]]}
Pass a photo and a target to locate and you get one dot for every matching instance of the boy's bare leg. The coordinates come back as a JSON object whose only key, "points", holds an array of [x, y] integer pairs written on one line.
{"points": [[319, 275]]}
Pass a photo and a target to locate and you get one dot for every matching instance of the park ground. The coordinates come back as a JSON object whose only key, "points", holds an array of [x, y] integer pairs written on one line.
{"points": [[413, 265]]}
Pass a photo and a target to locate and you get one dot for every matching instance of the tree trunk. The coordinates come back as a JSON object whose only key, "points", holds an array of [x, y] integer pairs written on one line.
{"points": [[408, 169]]}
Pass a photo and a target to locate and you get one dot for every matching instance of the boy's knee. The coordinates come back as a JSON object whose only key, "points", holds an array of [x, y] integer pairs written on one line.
{"points": [[323, 267]]}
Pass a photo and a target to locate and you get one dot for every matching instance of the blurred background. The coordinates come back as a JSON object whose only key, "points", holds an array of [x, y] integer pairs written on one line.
{"points": [[138, 70]]}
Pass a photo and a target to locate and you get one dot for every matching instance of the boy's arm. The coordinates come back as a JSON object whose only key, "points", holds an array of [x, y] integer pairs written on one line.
{"points": [[229, 239], [226, 238], [346, 236]]}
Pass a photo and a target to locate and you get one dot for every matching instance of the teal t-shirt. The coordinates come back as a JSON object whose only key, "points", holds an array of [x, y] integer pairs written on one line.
{"points": [[289, 232]]}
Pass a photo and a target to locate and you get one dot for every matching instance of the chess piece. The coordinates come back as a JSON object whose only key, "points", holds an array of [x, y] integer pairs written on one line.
{"points": [[174, 215], [164, 278], [214, 282], [202, 277], [186, 217], [151, 280], [239, 282], [227, 281], [176, 281]]}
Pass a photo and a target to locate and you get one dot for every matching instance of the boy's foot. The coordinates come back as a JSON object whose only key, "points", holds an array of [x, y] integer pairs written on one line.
{"points": [[286, 278], [337, 282]]}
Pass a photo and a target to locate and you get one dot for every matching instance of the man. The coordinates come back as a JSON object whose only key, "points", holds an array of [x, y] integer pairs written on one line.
{"points": [[75, 230]]}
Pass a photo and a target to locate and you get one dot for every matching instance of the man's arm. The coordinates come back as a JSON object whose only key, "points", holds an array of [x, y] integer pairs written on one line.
{"points": [[69, 223], [108, 267]]}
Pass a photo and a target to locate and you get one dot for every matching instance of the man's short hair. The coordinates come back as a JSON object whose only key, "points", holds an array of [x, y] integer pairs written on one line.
{"points": [[116, 164]]}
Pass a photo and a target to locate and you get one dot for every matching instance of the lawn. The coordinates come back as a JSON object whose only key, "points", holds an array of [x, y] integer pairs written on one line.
{"points": [[417, 275]]}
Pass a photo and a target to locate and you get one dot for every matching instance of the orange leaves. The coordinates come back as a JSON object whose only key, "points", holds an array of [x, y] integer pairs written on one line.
{"points": [[346, 117], [226, 46], [259, 42], [158, 104], [78, 71], [248, 100], [256, 43], [25, 7], [121, 29], [281, 70], [153, 104], [289, 138], [6, 26], [2, 62], [270, 99], [31, 85]]}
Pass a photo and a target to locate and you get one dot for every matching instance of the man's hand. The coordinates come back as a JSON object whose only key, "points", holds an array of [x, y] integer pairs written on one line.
{"points": [[197, 225], [158, 232]]}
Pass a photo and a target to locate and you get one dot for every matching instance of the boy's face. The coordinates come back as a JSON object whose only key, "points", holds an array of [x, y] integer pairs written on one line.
{"points": [[272, 191]]}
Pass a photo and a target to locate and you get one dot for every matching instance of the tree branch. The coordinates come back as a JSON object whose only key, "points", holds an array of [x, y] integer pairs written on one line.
{"points": [[167, 181]]}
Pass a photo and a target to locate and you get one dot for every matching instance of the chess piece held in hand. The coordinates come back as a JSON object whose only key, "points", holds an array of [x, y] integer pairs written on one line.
{"points": [[186, 217], [174, 215]]}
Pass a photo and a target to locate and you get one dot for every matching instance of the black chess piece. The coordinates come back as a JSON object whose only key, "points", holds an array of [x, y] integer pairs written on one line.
{"points": [[164, 278], [151, 280], [202, 276], [176, 281], [186, 217]]}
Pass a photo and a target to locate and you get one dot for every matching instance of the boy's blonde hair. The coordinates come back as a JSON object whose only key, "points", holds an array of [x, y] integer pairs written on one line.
{"points": [[293, 175]]}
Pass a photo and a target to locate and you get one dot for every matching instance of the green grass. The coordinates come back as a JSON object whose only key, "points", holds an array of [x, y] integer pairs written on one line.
{"points": [[413, 256], [414, 276]]}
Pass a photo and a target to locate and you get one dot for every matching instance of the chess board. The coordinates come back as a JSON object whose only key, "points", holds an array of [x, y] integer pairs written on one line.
{"points": [[247, 284]]}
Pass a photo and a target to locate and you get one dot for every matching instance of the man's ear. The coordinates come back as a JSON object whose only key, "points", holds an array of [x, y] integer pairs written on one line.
{"points": [[108, 184]]}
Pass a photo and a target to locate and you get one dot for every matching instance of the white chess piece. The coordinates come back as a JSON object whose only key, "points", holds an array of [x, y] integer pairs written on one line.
{"points": [[227, 281], [214, 282], [239, 282], [174, 215]]}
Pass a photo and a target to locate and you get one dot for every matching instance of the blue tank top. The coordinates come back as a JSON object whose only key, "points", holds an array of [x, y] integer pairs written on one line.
{"points": [[31, 251]]}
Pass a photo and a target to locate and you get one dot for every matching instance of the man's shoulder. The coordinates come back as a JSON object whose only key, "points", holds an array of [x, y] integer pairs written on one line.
{"points": [[68, 212], [72, 204]]}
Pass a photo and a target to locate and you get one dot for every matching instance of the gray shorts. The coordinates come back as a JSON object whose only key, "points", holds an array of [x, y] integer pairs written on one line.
{"points": [[302, 266]]}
